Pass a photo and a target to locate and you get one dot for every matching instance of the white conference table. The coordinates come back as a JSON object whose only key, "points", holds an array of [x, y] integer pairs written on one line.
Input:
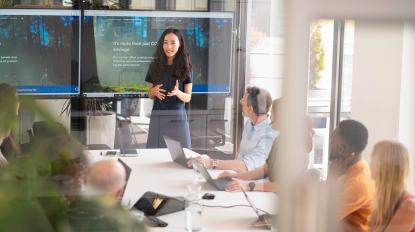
{"points": [[153, 170]]}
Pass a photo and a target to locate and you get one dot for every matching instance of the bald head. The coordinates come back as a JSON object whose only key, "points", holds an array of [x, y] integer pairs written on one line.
{"points": [[108, 177]]}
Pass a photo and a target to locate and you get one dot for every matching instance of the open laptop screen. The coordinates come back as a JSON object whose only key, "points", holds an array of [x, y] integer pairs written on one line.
{"points": [[264, 220], [251, 203], [176, 151]]}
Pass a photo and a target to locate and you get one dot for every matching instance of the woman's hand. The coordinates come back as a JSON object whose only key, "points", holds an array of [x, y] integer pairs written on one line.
{"points": [[226, 175], [158, 92], [204, 159], [176, 91]]}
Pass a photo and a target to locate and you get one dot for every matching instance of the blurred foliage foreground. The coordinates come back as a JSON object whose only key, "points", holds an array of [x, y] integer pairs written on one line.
{"points": [[41, 187]]}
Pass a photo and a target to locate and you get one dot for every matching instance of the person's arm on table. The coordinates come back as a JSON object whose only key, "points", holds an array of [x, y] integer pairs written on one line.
{"points": [[258, 173], [237, 185], [236, 165], [209, 163]]}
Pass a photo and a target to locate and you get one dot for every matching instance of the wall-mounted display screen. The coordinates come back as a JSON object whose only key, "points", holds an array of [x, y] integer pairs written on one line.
{"points": [[39, 51], [118, 47]]}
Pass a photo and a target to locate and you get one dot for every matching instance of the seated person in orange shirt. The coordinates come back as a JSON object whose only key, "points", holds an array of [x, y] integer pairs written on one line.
{"points": [[352, 174], [394, 207]]}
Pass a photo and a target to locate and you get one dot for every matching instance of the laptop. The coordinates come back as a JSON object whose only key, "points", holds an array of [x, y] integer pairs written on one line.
{"points": [[176, 151], [127, 172], [264, 219], [220, 184]]}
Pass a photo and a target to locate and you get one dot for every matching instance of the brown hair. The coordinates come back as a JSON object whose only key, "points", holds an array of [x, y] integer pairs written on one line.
{"points": [[260, 100]]}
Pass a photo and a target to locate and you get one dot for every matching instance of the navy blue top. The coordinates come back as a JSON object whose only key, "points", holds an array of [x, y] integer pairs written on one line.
{"points": [[168, 116], [173, 102]]}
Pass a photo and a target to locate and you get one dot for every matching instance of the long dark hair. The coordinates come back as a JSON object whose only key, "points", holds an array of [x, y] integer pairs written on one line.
{"points": [[181, 62]]}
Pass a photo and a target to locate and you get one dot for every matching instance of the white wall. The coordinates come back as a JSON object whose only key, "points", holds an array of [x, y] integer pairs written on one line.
{"points": [[143, 4], [377, 79], [191, 5], [265, 46], [54, 108], [383, 92], [407, 105]]}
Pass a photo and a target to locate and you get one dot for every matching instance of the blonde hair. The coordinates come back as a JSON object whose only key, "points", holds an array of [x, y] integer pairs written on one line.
{"points": [[391, 164]]}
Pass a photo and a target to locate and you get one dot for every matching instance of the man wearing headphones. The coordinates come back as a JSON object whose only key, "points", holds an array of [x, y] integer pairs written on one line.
{"points": [[257, 137]]}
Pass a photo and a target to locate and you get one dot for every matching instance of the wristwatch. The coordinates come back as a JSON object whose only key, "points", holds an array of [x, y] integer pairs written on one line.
{"points": [[251, 186], [214, 164]]}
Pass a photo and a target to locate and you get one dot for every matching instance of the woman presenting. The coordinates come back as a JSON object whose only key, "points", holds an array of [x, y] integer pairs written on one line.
{"points": [[170, 86]]}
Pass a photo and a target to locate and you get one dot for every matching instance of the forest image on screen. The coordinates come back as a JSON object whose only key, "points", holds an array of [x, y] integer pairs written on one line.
{"points": [[125, 45], [38, 54]]}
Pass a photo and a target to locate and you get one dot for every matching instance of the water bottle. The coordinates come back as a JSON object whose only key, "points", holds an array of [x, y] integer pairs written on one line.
{"points": [[193, 214], [193, 210], [194, 190]]}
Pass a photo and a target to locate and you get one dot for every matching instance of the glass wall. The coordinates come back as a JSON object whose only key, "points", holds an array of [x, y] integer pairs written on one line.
{"points": [[113, 110], [358, 68], [319, 90], [347, 68], [211, 114], [214, 107], [256, 54], [324, 37], [265, 46]]}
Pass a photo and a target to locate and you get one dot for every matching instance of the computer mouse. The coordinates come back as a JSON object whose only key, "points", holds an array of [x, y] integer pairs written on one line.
{"points": [[208, 196]]}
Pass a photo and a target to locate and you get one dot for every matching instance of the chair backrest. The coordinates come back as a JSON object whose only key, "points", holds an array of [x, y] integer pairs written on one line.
{"points": [[46, 129]]}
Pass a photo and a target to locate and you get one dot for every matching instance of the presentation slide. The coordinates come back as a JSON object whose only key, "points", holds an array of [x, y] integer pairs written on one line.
{"points": [[39, 51], [125, 42]]}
